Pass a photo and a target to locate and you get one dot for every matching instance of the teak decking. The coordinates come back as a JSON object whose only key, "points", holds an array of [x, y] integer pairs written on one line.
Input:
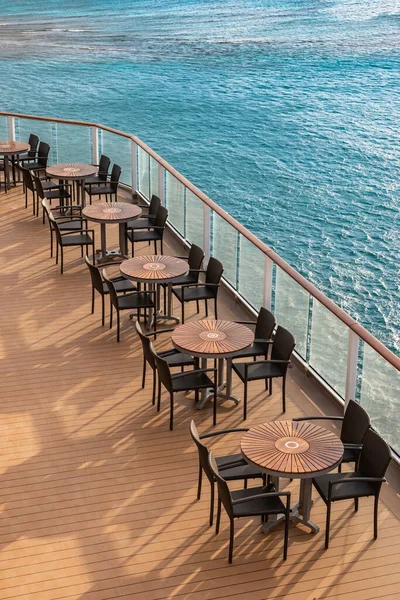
{"points": [[98, 496]]}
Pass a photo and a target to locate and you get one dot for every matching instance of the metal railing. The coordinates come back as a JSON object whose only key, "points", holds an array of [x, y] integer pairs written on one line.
{"points": [[331, 344]]}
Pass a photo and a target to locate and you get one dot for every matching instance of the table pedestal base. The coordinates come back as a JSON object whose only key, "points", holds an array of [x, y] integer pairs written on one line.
{"points": [[294, 516], [222, 385]]}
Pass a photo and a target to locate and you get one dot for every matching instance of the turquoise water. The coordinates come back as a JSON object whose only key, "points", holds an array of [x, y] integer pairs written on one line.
{"points": [[285, 112]]}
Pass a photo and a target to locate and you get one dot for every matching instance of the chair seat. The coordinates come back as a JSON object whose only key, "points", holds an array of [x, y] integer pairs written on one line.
{"points": [[196, 293], [101, 189], [350, 454], [257, 349], [34, 166], [140, 223], [49, 185], [65, 225], [97, 179], [239, 471], [345, 491], [273, 505], [142, 300], [190, 381], [121, 285], [76, 240], [222, 461], [189, 278], [56, 194], [174, 358], [263, 370], [143, 236]]}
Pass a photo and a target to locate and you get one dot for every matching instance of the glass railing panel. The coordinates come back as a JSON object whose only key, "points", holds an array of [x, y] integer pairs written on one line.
{"points": [[175, 203], [380, 385], [292, 307], [154, 187], [194, 216], [74, 144], [329, 347], [4, 133], [251, 273], [225, 247], [43, 129], [143, 173], [118, 149]]}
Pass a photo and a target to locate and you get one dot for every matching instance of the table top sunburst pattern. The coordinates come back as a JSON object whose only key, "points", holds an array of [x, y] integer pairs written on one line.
{"points": [[112, 211], [154, 268], [210, 337], [291, 447], [9, 147], [71, 170]]}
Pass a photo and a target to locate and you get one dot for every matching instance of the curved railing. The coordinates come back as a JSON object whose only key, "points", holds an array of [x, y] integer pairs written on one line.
{"points": [[330, 343]]}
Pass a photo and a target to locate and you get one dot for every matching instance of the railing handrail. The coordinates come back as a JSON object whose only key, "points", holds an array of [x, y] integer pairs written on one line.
{"points": [[310, 288]]}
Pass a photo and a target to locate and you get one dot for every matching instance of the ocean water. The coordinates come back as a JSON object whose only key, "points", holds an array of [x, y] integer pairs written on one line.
{"points": [[285, 112]]}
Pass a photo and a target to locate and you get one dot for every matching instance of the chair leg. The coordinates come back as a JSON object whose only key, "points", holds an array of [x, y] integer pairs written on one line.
{"points": [[162, 245], [212, 504], [270, 387], [245, 484], [62, 259], [153, 401], [183, 313], [118, 325], [92, 300], [356, 504], [199, 482], [328, 522], [231, 538], [339, 468], [376, 503], [159, 396], [283, 394], [245, 401], [51, 244], [111, 315], [215, 404], [171, 412], [215, 308], [218, 516], [56, 253], [197, 306], [102, 310], [286, 538], [206, 304], [144, 372]]}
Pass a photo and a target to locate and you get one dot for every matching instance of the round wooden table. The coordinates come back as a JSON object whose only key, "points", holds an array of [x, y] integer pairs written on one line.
{"points": [[291, 449], [108, 213], [154, 270], [218, 339], [11, 149], [75, 172]]}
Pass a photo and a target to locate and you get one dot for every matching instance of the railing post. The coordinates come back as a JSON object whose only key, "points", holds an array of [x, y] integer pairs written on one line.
{"points": [[161, 187], [268, 270], [134, 167], [11, 128], [352, 361], [206, 233], [95, 146]]}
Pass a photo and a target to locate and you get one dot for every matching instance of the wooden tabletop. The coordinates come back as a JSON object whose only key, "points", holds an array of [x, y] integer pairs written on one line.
{"points": [[292, 449], [9, 147], [154, 268], [111, 212], [71, 171], [210, 337]]}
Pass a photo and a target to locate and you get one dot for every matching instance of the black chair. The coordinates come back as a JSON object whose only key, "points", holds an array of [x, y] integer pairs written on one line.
{"points": [[32, 153], [147, 220], [150, 233], [137, 301], [232, 467], [38, 162], [196, 380], [70, 238], [122, 285], [264, 327], [193, 292], [102, 172], [195, 260], [109, 188], [355, 424], [282, 348], [68, 219], [254, 502], [375, 457], [61, 193], [173, 357]]}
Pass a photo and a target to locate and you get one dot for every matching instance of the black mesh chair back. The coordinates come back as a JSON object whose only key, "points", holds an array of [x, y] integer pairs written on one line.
{"points": [[283, 345], [375, 456], [214, 273], [115, 175], [111, 289], [356, 423], [43, 154], [146, 346], [202, 450], [28, 181], [265, 324], [33, 142], [95, 276], [154, 205], [223, 489], [195, 259], [164, 374], [104, 165], [161, 217]]}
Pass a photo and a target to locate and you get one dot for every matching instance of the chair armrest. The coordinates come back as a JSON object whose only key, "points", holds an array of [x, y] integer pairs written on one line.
{"points": [[261, 496], [69, 231], [318, 419], [263, 341], [246, 322], [357, 479], [223, 432], [353, 446], [195, 371], [70, 208]]}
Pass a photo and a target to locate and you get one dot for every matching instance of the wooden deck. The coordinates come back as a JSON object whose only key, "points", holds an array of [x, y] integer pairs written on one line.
{"points": [[98, 496]]}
